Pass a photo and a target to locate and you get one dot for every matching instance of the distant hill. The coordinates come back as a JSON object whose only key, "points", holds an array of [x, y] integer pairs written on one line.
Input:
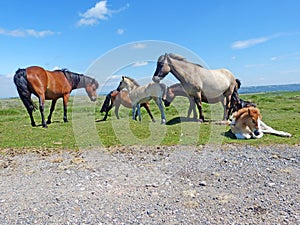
{"points": [[269, 88]]}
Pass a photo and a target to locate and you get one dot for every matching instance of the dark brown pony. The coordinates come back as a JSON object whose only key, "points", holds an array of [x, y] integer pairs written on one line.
{"points": [[50, 85], [116, 99]]}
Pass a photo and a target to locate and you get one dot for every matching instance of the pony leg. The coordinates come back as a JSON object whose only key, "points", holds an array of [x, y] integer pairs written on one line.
{"points": [[158, 102], [51, 111], [42, 103], [192, 107], [269, 130], [146, 106], [31, 118], [198, 102], [65, 103], [133, 111], [30, 108], [117, 111], [139, 112]]}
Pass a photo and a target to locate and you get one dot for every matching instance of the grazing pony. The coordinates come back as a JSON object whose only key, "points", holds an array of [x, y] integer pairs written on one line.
{"points": [[50, 85], [140, 94], [216, 85], [247, 123], [116, 99]]}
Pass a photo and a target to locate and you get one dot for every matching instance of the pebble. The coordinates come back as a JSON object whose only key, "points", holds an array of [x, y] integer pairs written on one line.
{"points": [[203, 183]]}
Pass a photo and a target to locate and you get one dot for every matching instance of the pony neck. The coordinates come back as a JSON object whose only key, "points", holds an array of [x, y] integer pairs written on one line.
{"points": [[76, 80], [173, 68], [178, 90], [130, 86]]}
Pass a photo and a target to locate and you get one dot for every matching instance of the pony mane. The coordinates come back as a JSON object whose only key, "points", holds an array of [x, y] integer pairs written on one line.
{"points": [[176, 56], [78, 80], [132, 80], [244, 112], [181, 58]]}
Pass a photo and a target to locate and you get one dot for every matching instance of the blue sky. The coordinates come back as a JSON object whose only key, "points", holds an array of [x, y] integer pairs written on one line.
{"points": [[258, 40]]}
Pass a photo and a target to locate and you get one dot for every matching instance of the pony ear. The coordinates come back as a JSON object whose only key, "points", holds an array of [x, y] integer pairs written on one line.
{"points": [[123, 77], [249, 111]]}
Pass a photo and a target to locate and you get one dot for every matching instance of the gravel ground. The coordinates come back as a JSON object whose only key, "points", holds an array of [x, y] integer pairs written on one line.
{"points": [[231, 184]]}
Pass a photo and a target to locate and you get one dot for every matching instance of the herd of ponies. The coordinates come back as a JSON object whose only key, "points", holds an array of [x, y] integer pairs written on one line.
{"points": [[196, 83]]}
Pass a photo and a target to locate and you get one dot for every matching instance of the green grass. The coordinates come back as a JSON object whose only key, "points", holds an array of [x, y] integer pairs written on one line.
{"points": [[280, 110]]}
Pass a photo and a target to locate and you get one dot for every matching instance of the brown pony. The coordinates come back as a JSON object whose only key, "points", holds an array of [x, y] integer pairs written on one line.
{"points": [[50, 85], [116, 99]]}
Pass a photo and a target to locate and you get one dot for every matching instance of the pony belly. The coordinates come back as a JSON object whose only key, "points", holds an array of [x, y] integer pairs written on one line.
{"points": [[50, 95]]}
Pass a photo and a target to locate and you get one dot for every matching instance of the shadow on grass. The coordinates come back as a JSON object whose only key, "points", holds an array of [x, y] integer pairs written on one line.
{"points": [[178, 119], [229, 134]]}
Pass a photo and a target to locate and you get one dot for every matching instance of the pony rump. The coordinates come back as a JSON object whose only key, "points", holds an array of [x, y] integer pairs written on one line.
{"points": [[23, 88]]}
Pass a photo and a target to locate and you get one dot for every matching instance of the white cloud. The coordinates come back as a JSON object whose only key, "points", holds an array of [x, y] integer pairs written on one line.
{"points": [[27, 33], [274, 58], [120, 31], [137, 64], [255, 41], [99, 12], [289, 56], [249, 43], [56, 68], [139, 46]]}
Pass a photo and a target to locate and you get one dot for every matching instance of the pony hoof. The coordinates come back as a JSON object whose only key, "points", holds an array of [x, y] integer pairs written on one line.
{"points": [[48, 122], [163, 122]]}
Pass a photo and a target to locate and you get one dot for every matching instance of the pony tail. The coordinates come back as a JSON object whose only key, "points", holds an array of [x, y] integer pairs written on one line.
{"points": [[238, 83], [21, 82], [106, 102]]}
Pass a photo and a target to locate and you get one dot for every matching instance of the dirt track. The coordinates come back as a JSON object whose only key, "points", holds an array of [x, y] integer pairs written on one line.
{"points": [[231, 184]]}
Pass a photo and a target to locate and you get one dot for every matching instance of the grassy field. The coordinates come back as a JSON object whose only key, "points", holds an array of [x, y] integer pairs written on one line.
{"points": [[279, 110]]}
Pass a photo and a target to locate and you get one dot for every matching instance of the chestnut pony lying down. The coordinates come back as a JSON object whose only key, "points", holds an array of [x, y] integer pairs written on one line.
{"points": [[247, 123]]}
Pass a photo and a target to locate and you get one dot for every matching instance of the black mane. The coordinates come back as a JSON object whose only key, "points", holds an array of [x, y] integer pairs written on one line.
{"points": [[78, 80]]}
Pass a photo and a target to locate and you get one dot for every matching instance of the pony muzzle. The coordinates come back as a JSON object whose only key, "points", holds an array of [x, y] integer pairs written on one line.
{"points": [[257, 132], [166, 103], [156, 79], [93, 98]]}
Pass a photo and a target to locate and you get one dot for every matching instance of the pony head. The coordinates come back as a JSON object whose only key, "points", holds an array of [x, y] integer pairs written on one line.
{"points": [[237, 103], [91, 89], [169, 97], [251, 118], [162, 68], [123, 84]]}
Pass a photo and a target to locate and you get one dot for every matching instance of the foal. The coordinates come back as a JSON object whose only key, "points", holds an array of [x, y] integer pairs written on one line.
{"points": [[116, 99], [139, 94], [247, 123]]}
